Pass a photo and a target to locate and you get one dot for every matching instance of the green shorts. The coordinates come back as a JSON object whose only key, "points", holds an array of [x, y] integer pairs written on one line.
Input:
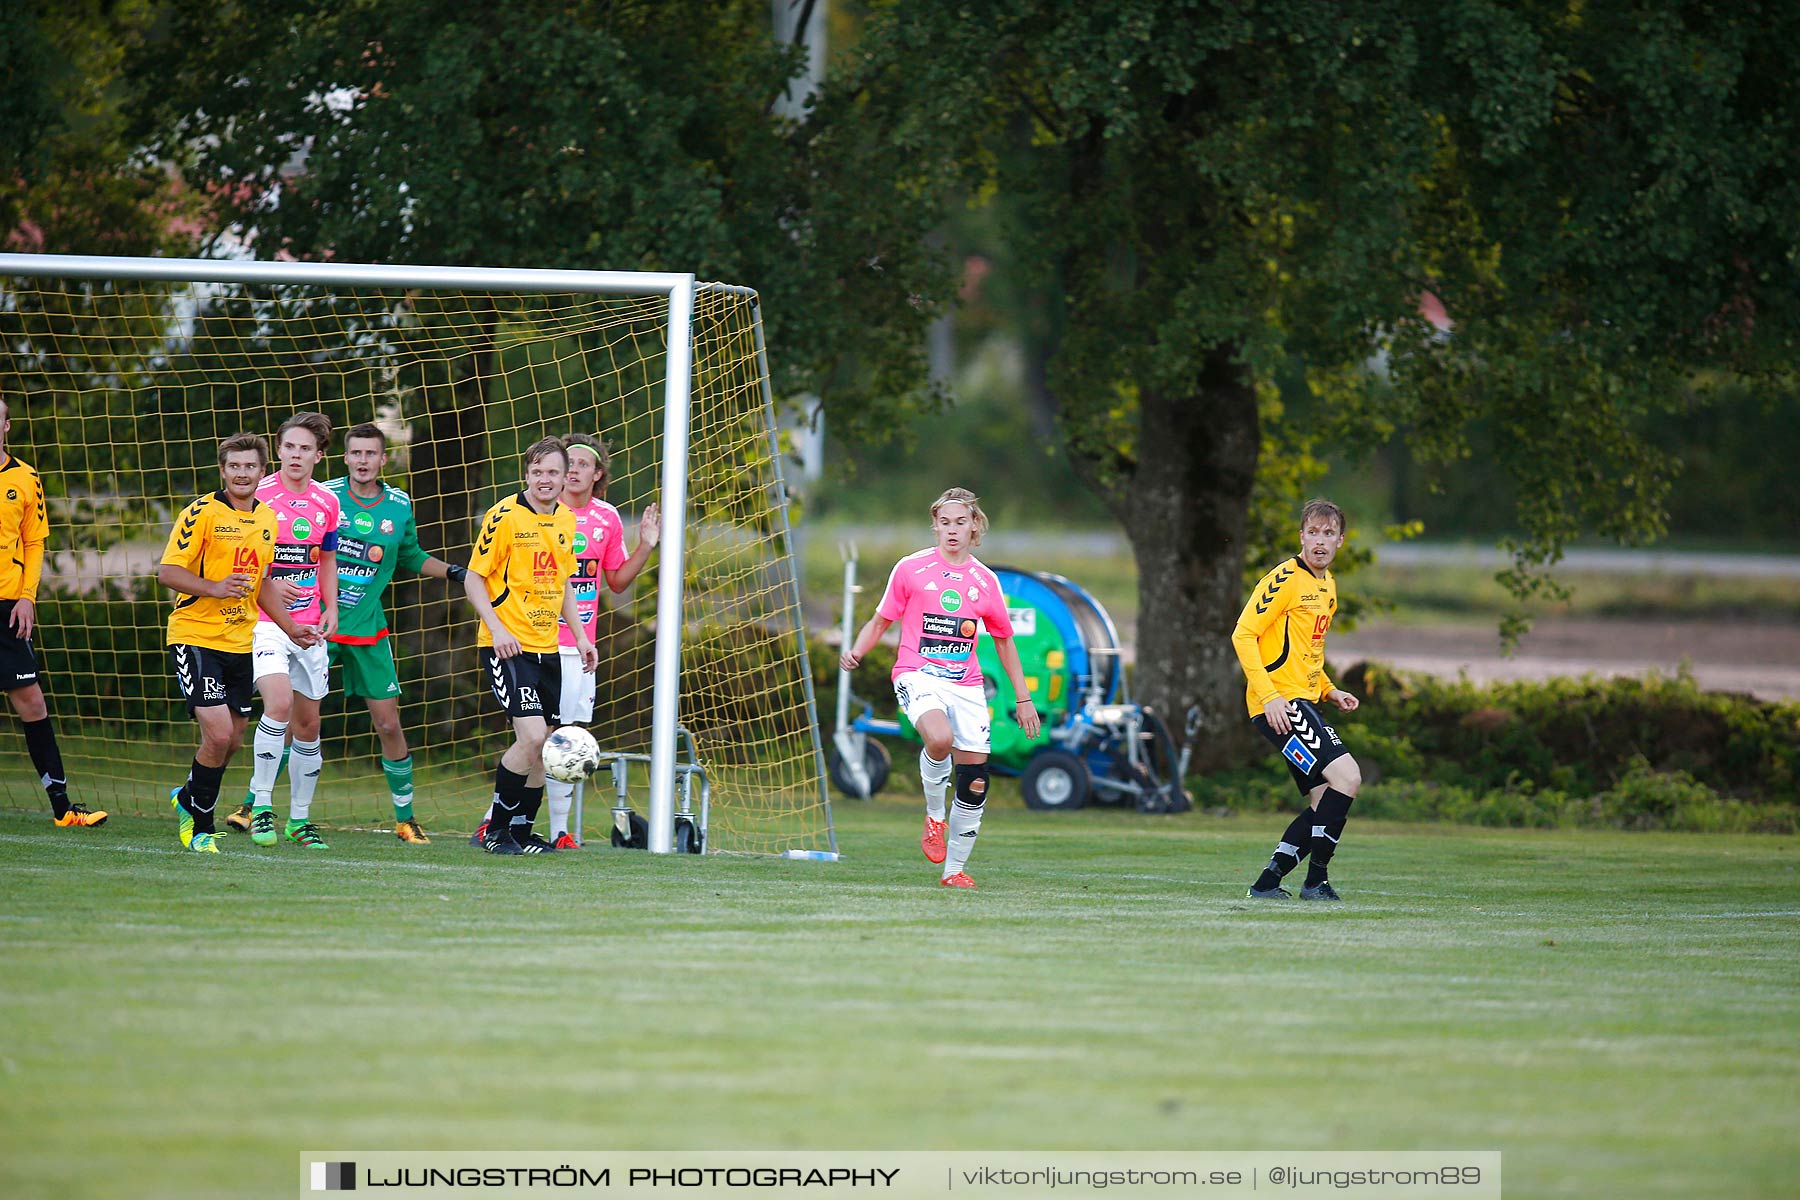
{"points": [[367, 670]]}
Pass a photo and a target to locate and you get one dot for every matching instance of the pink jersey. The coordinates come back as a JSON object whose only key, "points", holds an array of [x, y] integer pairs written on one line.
{"points": [[942, 609], [307, 527], [599, 547]]}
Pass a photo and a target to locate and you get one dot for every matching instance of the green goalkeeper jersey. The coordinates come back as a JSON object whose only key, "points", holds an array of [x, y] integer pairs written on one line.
{"points": [[374, 538]]}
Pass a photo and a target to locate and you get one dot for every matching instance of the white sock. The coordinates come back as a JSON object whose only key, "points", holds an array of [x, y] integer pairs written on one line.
{"points": [[303, 778], [965, 824], [935, 775], [271, 738], [561, 797]]}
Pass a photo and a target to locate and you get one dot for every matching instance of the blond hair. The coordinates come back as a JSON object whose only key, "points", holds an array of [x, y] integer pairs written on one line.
{"points": [[968, 500]]}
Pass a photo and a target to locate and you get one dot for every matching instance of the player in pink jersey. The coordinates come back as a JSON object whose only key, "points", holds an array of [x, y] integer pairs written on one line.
{"points": [[943, 598], [292, 674], [600, 550]]}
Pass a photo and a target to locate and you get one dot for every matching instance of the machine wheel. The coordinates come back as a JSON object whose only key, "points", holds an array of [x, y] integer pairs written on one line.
{"points": [[1056, 781], [1162, 783], [687, 836], [875, 761]]}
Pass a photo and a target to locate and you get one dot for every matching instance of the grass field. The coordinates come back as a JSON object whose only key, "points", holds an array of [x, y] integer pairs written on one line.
{"points": [[1614, 1013]]}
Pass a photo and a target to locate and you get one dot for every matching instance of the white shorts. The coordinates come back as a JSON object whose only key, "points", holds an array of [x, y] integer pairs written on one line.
{"points": [[577, 689], [273, 652], [965, 705]]}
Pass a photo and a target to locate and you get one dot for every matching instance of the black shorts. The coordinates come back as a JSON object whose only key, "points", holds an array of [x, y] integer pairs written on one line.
{"points": [[18, 661], [208, 678], [1308, 747], [526, 685]]}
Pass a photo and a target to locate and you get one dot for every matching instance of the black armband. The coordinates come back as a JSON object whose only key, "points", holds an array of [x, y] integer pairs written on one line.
{"points": [[456, 574]]}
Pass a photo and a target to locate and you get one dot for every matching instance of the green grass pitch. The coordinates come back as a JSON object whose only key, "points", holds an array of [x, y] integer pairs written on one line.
{"points": [[1616, 1013]]}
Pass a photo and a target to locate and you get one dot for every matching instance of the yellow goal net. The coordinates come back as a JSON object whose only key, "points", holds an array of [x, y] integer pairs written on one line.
{"points": [[122, 376]]}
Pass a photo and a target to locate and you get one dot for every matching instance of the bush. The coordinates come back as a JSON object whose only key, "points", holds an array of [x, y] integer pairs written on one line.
{"points": [[1650, 753]]}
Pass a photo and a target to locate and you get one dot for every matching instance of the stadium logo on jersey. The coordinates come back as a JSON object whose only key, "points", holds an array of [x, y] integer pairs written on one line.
{"points": [[302, 527], [364, 524], [1296, 753], [951, 600]]}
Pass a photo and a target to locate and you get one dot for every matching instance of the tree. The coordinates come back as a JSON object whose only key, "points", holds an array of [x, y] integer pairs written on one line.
{"points": [[1601, 194], [540, 133], [68, 180]]}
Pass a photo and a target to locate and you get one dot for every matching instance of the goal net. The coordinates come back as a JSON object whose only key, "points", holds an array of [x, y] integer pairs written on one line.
{"points": [[122, 379]]}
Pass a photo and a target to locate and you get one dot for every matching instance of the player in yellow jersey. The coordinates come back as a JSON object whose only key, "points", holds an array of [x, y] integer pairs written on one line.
{"points": [[1280, 642], [521, 581], [217, 563], [23, 532]]}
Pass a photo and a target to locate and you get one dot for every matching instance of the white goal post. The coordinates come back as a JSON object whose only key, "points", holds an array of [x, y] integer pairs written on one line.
{"points": [[680, 291]]}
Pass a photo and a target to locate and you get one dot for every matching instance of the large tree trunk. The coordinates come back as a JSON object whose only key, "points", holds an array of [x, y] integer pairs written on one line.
{"points": [[1185, 509]]}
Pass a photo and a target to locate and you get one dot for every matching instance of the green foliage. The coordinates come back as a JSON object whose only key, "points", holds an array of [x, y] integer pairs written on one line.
{"points": [[1205, 194], [111, 638], [579, 135], [70, 182], [1648, 753]]}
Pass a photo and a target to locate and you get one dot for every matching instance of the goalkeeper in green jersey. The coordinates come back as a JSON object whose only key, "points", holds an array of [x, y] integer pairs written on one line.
{"points": [[376, 536]]}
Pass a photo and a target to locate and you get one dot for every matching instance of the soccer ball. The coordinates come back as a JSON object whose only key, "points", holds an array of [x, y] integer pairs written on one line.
{"points": [[570, 754]]}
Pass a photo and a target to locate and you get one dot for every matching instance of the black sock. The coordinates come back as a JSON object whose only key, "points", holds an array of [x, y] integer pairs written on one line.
{"points": [[40, 742], [1333, 812], [534, 800], [509, 799], [202, 794], [1296, 841]]}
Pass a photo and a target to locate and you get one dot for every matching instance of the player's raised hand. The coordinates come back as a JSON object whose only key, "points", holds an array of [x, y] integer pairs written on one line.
{"points": [[650, 524], [24, 618]]}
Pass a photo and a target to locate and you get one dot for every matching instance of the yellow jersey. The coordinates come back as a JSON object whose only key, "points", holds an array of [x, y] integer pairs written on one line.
{"points": [[527, 558], [212, 539], [1280, 636], [23, 531]]}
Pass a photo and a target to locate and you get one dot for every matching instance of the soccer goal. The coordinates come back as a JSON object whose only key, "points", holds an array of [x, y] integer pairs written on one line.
{"points": [[122, 375]]}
